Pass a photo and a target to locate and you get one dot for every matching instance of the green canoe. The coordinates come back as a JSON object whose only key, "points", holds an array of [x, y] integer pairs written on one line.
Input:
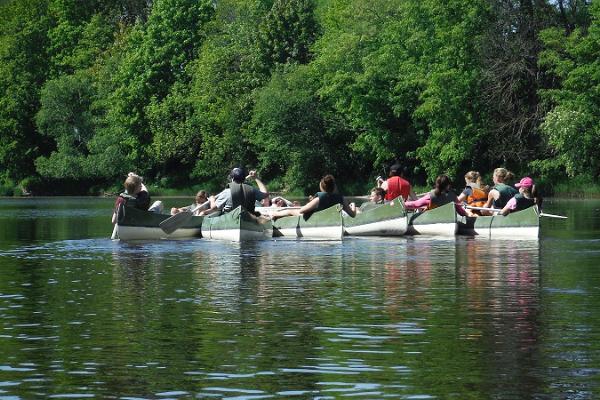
{"points": [[325, 224], [135, 224], [379, 220], [440, 221], [521, 224], [237, 225]]}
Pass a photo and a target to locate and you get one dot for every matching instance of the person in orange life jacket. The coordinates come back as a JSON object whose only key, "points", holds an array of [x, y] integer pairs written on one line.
{"points": [[501, 192], [376, 198], [135, 195], [324, 199], [440, 195], [239, 193], [396, 185], [475, 193], [526, 197]]}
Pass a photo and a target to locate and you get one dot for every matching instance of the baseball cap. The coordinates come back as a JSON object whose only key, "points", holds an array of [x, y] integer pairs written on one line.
{"points": [[525, 182]]}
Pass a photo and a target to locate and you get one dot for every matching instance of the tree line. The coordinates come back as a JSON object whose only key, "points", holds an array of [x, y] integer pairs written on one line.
{"points": [[182, 90]]}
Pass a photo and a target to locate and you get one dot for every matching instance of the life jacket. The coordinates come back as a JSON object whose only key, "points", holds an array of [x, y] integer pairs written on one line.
{"points": [[397, 186], [242, 195], [523, 202], [506, 193], [141, 202], [444, 198], [477, 198]]}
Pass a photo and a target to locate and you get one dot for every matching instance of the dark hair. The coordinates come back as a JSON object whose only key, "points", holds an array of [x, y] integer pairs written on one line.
{"points": [[328, 183], [442, 184], [238, 174], [395, 170], [379, 191]]}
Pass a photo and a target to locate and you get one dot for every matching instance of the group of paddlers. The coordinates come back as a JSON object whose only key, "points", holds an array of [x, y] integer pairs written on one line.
{"points": [[476, 199]]}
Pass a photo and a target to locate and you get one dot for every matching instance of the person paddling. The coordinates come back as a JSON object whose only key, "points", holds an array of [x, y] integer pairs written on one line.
{"points": [[239, 193]]}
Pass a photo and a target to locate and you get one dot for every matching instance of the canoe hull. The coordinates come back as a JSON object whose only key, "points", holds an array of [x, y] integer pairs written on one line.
{"points": [[134, 224], [323, 225], [237, 226], [384, 220], [441, 221], [521, 224]]}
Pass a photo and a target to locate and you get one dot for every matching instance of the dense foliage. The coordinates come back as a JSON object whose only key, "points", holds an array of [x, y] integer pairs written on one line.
{"points": [[182, 90]]}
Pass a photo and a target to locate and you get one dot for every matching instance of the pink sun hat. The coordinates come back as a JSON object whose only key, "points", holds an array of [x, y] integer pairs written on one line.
{"points": [[526, 182]]}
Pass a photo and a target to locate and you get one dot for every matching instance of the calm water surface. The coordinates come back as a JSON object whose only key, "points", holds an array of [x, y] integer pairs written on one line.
{"points": [[82, 316]]}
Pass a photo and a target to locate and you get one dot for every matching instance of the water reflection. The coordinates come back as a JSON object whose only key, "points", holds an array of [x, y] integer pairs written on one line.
{"points": [[366, 318]]}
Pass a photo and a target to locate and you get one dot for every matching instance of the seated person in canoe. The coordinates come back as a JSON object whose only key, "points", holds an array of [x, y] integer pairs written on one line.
{"points": [[440, 195], [500, 192], [396, 185], [239, 193], [135, 195], [475, 193], [376, 198], [201, 203], [280, 202], [526, 197], [324, 199]]}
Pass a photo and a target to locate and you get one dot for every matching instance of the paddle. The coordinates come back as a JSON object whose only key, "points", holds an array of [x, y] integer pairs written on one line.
{"points": [[496, 210], [553, 216], [114, 234], [175, 222]]}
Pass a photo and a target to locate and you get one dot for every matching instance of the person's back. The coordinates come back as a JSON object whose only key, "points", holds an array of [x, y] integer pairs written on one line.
{"points": [[396, 185], [506, 192], [239, 193], [526, 197], [442, 198]]}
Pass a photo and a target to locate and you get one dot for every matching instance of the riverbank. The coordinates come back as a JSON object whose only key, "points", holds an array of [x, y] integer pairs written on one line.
{"points": [[576, 188]]}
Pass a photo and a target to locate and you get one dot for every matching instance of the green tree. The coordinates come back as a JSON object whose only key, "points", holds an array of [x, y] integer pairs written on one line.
{"points": [[295, 136], [23, 70], [287, 32], [572, 127]]}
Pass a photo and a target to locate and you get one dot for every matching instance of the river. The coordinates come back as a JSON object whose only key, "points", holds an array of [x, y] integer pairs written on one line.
{"points": [[82, 316]]}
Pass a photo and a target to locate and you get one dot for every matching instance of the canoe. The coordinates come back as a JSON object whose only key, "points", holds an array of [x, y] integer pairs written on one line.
{"points": [[381, 220], [237, 225], [440, 221], [521, 224], [326, 224], [135, 224]]}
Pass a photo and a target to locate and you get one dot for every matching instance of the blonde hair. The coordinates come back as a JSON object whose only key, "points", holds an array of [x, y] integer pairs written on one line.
{"points": [[132, 183], [502, 174]]}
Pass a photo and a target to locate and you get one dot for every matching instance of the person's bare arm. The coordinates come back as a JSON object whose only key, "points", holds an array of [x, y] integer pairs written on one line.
{"points": [[259, 183], [310, 206]]}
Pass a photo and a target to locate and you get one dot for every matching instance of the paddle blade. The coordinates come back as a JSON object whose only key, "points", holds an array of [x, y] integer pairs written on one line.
{"points": [[175, 222], [553, 216]]}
